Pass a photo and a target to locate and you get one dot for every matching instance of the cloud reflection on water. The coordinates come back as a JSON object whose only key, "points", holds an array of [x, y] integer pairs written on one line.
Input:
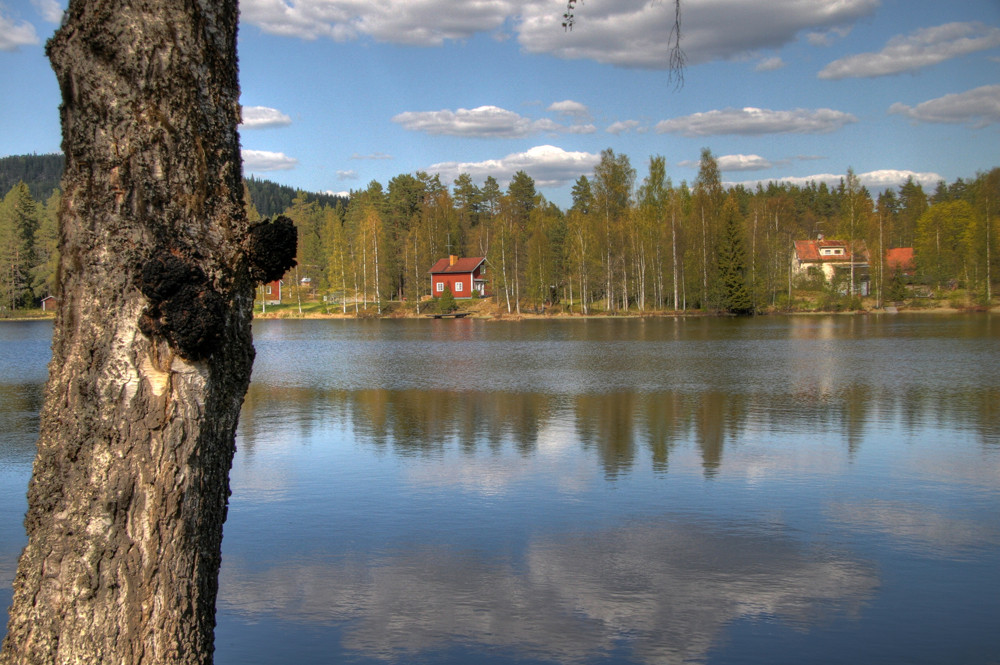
{"points": [[916, 527], [666, 590]]}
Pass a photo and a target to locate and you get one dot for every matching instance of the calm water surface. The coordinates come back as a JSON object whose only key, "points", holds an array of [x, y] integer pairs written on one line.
{"points": [[776, 490]]}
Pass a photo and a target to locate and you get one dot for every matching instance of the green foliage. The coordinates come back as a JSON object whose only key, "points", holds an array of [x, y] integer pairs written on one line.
{"points": [[943, 241], [833, 301], [447, 303]]}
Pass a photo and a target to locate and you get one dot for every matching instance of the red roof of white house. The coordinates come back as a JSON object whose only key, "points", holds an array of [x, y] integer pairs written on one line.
{"points": [[809, 250], [463, 265]]}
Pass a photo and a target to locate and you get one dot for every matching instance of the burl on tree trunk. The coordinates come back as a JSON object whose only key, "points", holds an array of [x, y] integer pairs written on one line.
{"points": [[152, 347]]}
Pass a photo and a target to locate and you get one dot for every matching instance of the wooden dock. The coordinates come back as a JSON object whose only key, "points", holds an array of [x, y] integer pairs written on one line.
{"points": [[449, 315]]}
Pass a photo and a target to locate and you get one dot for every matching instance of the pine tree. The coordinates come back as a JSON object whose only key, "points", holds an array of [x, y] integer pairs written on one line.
{"points": [[18, 256], [732, 262], [446, 303]]}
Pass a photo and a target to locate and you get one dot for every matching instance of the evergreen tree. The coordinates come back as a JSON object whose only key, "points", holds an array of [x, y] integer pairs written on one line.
{"points": [[732, 262], [583, 196], [18, 256], [446, 303]]}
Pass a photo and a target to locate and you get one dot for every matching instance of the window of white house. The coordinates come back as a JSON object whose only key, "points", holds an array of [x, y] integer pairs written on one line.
{"points": [[458, 287], [440, 286]]}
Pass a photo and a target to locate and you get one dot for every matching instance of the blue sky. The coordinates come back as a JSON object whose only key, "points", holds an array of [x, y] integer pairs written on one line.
{"points": [[337, 93]]}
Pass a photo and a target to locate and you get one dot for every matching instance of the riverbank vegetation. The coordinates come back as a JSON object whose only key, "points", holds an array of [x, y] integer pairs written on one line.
{"points": [[626, 246]]}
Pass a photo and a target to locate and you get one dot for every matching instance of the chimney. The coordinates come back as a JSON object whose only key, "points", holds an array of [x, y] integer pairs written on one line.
{"points": [[452, 259]]}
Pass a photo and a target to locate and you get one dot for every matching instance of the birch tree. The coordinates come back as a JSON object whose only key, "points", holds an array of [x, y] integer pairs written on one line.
{"points": [[151, 349]]}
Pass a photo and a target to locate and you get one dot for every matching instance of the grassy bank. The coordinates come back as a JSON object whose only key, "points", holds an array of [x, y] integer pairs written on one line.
{"points": [[803, 302]]}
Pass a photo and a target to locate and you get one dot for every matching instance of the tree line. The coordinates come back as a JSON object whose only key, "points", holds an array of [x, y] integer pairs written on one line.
{"points": [[627, 244], [624, 244]]}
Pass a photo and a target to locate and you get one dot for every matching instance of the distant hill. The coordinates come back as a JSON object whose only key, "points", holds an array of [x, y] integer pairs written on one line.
{"points": [[41, 173], [270, 198]]}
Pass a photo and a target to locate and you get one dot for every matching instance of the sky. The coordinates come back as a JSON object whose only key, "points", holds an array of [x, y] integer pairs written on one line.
{"points": [[337, 93]]}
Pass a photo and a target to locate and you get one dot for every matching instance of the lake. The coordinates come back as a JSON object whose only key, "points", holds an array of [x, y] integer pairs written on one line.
{"points": [[815, 489]]}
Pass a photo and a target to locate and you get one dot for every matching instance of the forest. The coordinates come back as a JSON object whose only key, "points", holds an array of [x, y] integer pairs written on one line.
{"points": [[625, 244]]}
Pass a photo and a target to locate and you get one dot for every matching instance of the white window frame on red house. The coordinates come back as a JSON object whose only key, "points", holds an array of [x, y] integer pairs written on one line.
{"points": [[440, 287], [458, 287]]}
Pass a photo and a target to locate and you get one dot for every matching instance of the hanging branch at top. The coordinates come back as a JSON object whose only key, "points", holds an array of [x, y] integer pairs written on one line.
{"points": [[676, 59]]}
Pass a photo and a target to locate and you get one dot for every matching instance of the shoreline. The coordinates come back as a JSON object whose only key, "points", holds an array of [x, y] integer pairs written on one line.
{"points": [[491, 315], [564, 316]]}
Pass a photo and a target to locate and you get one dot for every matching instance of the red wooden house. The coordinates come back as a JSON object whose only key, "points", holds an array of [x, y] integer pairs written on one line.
{"points": [[465, 277], [271, 292]]}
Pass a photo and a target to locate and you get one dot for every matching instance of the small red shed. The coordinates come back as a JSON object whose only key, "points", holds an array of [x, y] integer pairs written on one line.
{"points": [[465, 277], [271, 292]]}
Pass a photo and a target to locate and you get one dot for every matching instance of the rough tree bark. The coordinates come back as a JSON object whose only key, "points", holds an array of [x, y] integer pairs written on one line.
{"points": [[152, 347]]}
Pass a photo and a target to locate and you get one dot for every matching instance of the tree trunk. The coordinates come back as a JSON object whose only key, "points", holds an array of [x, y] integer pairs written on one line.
{"points": [[152, 346]]}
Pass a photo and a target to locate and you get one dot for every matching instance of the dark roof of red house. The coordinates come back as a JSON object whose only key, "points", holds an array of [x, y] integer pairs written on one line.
{"points": [[809, 250], [900, 258], [464, 265]]}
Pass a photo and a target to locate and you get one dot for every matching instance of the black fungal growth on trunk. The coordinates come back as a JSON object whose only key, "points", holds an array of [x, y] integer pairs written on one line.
{"points": [[271, 247], [184, 309]]}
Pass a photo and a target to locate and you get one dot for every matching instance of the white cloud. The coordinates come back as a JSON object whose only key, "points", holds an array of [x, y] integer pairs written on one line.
{"points": [[571, 109], [481, 122], [416, 22], [754, 121], [348, 174], [770, 65], [632, 33], [629, 33], [373, 156], [50, 10], [262, 160], [262, 117], [888, 178], [827, 37], [623, 127], [548, 165], [873, 180], [977, 107], [15, 34], [742, 163], [920, 49]]}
